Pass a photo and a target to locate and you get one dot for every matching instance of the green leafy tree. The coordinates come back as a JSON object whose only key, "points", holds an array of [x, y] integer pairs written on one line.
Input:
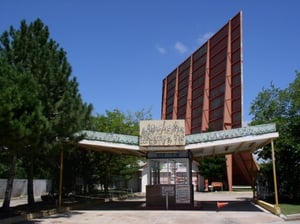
{"points": [[49, 109], [89, 167], [213, 168], [282, 107], [110, 164]]}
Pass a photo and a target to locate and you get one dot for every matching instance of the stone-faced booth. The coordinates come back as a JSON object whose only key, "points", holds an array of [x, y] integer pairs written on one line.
{"points": [[169, 177]]}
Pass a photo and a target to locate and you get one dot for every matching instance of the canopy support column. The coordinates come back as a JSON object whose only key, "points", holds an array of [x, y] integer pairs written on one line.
{"points": [[275, 179], [229, 171]]}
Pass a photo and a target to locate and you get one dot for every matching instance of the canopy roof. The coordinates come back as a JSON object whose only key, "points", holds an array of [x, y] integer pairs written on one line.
{"points": [[200, 145]]}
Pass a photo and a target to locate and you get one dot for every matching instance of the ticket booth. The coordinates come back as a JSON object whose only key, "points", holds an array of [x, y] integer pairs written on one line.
{"points": [[170, 168], [169, 180]]}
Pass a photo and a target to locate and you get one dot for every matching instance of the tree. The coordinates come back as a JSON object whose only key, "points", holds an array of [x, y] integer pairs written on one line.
{"points": [[20, 115], [213, 168], [111, 164], [50, 108], [282, 106], [90, 167]]}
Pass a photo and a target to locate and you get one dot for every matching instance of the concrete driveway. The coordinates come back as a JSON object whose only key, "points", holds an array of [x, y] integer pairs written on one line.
{"points": [[237, 209]]}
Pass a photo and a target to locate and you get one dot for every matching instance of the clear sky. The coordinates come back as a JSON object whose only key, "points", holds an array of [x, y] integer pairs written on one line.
{"points": [[120, 50]]}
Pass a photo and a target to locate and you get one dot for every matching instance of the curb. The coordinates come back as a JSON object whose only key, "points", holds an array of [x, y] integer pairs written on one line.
{"points": [[292, 217], [31, 216], [277, 211], [46, 213], [270, 207]]}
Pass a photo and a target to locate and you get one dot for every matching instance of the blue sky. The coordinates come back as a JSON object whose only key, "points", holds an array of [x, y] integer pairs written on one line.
{"points": [[121, 50]]}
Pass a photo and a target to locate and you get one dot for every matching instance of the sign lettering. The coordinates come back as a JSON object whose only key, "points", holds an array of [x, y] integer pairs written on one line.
{"points": [[162, 133]]}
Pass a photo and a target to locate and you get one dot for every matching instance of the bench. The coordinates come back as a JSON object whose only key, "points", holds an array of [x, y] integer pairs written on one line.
{"points": [[215, 184], [241, 188]]}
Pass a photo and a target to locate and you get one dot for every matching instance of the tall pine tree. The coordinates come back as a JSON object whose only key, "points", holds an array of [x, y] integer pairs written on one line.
{"points": [[55, 108]]}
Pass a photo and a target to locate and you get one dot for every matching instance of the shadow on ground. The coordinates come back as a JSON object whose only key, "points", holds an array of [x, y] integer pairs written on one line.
{"points": [[198, 205]]}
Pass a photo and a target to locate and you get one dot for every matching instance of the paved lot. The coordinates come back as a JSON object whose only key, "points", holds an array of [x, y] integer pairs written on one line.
{"points": [[238, 210]]}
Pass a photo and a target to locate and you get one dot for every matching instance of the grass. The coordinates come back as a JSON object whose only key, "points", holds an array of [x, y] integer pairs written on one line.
{"points": [[288, 209]]}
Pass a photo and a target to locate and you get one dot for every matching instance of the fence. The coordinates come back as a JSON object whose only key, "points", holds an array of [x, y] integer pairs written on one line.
{"points": [[40, 186]]}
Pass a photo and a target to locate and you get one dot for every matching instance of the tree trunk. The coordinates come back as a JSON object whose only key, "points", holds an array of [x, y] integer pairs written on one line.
{"points": [[30, 193], [85, 188], [106, 180], [106, 174], [10, 182]]}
